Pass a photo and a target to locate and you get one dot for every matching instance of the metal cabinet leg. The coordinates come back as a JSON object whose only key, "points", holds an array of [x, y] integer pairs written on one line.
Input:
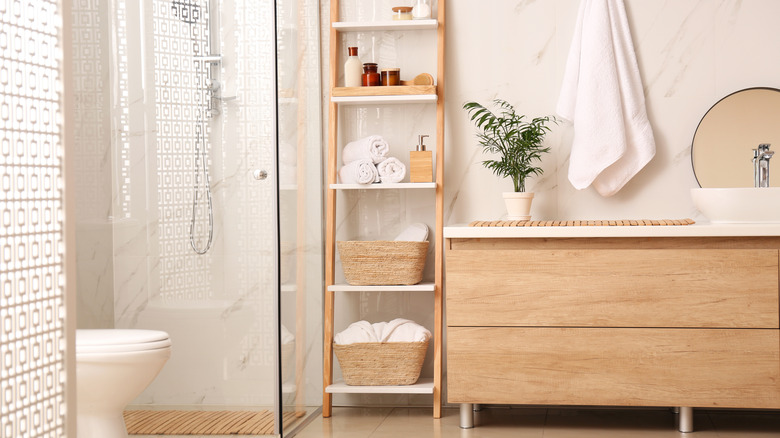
{"points": [[686, 420], [466, 416]]}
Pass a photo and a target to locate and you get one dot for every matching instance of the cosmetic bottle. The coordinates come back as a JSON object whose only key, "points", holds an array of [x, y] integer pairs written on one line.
{"points": [[353, 69], [420, 162]]}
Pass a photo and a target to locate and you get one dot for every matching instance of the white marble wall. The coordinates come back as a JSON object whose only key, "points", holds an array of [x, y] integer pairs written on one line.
{"points": [[690, 53]]}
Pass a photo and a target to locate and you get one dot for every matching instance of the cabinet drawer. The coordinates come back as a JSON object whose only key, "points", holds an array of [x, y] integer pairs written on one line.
{"points": [[613, 288], [630, 367]]}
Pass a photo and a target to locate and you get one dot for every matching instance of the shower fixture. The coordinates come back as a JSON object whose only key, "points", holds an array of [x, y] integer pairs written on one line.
{"points": [[189, 12]]}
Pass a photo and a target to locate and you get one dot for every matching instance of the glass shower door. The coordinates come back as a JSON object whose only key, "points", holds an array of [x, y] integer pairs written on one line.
{"points": [[300, 207]]}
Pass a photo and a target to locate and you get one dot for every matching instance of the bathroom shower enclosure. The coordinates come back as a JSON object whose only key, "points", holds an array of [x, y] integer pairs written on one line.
{"points": [[198, 184]]}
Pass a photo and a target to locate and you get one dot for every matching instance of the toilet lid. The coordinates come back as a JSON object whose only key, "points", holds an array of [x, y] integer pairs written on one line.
{"points": [[120, 340]]}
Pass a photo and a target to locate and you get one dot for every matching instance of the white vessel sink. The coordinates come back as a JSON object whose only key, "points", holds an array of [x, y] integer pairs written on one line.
{"points": [[738, 205]]}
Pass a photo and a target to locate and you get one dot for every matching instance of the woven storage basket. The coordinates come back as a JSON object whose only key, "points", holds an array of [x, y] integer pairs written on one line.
{"points": [[382, 262], [379, 364]]}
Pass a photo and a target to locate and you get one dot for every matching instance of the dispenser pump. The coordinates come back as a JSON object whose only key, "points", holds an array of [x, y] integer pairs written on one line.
{"points": [[421, 142]]}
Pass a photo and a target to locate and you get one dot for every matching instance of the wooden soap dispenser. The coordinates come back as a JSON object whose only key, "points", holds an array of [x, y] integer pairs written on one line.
{"points": [[421, 162]]}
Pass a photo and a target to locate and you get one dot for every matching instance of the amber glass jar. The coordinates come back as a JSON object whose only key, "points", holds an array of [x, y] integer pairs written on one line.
{"points": [[391, 76], [371, 77]]}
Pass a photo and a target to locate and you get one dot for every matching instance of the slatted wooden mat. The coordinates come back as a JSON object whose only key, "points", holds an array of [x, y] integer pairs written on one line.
{"points": [[204, 422], [598, 223]]}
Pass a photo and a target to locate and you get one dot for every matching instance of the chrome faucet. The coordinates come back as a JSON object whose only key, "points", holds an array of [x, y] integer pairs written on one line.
{"points": [[761, 157]]}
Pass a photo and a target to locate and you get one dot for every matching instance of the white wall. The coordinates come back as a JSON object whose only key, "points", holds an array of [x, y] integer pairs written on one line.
{"points": [[690, 53]]}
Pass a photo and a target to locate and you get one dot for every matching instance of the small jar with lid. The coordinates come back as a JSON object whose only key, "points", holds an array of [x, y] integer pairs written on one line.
{"points": [[421, 10], [391, 76], [371, 77], [402, 13]]}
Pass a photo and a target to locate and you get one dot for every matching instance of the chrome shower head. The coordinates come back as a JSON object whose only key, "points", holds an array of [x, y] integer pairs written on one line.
{"points": [[187, 11]]}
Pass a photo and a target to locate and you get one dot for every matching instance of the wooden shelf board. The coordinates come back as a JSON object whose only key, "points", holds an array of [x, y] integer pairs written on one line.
{"points": [[423, 386], [370, 26], [385, 100], [422, 287], [384, 91], [383, 186]]}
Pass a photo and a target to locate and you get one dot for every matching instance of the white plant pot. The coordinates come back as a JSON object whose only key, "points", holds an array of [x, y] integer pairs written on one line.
{"points": [[518, 205]]}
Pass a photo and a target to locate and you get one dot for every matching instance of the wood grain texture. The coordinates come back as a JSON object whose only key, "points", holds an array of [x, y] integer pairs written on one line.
{"points": [[625, 367], [330, 220], [439, 249], [613, 288], [395, 90], [420, 166]]}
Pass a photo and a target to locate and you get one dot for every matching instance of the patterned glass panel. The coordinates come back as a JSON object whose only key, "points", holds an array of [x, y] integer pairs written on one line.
{"points": [[32, 295]]}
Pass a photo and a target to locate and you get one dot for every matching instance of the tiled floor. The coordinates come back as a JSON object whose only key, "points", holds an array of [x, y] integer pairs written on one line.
{"points": [[497, 422]]}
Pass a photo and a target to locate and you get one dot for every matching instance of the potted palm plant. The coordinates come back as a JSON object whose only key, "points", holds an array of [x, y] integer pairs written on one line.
{"points": [[519, 144]]}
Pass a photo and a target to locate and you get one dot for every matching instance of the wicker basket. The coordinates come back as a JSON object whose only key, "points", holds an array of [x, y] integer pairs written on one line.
{"points": [[382, 262], [379, 364]]}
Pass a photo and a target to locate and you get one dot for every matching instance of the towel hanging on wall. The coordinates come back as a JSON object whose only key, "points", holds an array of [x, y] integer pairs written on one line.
{"points": [[602, 95]]}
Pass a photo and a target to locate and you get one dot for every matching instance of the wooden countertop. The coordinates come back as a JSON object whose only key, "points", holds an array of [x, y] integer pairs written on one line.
{"points": [[700, 229]]}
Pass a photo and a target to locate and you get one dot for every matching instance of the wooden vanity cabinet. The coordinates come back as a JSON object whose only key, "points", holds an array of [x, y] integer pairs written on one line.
{"points": [[614, 321]]}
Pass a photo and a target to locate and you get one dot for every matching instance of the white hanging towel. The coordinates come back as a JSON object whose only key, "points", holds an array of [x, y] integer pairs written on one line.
{"points": [[602, 95]]}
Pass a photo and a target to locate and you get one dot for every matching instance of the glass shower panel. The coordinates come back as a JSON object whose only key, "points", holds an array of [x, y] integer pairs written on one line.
{"points": [[300, 204], [175, 231]]}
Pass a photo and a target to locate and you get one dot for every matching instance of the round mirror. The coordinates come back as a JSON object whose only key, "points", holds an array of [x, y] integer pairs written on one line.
{"points": [[722, 151]]}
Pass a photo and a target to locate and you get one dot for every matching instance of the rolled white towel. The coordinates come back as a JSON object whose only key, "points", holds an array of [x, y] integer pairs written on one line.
{"points": [[391, 170], [357, 332], [373, 148], [358, 172]]}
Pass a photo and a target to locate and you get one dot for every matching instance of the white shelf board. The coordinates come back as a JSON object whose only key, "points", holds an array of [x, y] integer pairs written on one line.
{"points": [[422, 287], [289, 288], [288, 187], [370, 26], [383, 186], [423, 386], [378, 100]]}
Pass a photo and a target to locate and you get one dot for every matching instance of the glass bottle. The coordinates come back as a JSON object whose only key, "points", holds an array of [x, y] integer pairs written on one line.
{"points": [[352, 69], [421, 10], [371, 77]]}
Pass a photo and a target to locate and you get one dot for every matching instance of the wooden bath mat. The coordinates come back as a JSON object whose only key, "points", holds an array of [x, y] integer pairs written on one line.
{"points": [[204, 422], [600, 223]]}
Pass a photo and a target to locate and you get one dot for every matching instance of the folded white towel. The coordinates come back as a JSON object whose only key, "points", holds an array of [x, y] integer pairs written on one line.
{"points": [[402, 330], [602, 95], [373, 148], [397, 330], [358, 172], [417, 232], [391, 170], [357, 332]]}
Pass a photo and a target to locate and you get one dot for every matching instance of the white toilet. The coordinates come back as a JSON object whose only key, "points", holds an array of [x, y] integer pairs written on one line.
{"points": [[113, 367]]}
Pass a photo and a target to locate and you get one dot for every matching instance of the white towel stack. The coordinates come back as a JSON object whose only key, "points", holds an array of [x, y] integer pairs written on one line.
{"points": [[602, 95], [397, 330], [366, 162]]}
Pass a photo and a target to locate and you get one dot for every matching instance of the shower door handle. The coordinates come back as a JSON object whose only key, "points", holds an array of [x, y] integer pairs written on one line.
{"points": [[260, 174]]}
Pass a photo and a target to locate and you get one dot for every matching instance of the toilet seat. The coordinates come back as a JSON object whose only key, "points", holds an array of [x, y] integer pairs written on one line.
{"points": [[120, 341]]}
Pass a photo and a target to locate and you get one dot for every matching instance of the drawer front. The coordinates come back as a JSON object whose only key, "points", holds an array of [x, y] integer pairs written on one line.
{"points": [[627, 367], [613, 288]]}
